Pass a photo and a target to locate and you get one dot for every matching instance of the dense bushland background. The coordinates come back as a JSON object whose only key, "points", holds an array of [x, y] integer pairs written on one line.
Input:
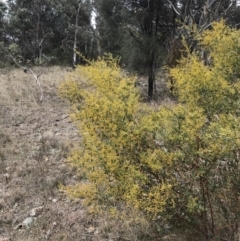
{"points": [[145, 34]]}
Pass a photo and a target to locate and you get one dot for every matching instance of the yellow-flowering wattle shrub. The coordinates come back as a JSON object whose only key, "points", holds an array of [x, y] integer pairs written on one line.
{"points": [[205, 129], [178, 165], [212, 87], [115, 155]]}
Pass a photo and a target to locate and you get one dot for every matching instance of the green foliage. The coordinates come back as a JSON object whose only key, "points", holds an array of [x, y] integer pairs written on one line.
{"points": [[179, 164], [44, 30]]}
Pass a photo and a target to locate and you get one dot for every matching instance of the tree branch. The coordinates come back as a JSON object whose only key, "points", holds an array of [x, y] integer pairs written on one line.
{"points": [[174, 8]]}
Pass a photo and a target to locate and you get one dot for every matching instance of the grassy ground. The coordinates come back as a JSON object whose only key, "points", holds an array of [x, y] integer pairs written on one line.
{"points": [[35, 138], [34, 142]]}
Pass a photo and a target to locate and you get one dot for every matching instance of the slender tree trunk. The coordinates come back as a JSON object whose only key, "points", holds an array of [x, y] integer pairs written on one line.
{"points": [[151, 74], [97, 37], [75, 35], [38, 41], [150, 83], [40, 49]]}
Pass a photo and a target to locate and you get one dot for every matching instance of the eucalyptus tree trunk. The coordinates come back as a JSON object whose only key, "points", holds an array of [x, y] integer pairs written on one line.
{"points": [[75, 35], [151, 77]]}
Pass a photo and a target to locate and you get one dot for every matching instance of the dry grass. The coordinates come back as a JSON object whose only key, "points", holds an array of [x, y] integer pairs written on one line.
{"points": [[34, 140]]}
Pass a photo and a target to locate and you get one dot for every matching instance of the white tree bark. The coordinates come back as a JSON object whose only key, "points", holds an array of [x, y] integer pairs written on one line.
{"points": [[75, 35]]}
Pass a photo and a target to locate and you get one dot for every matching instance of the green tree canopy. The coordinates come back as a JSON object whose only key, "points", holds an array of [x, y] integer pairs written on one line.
{"points": [[45, 30]]}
